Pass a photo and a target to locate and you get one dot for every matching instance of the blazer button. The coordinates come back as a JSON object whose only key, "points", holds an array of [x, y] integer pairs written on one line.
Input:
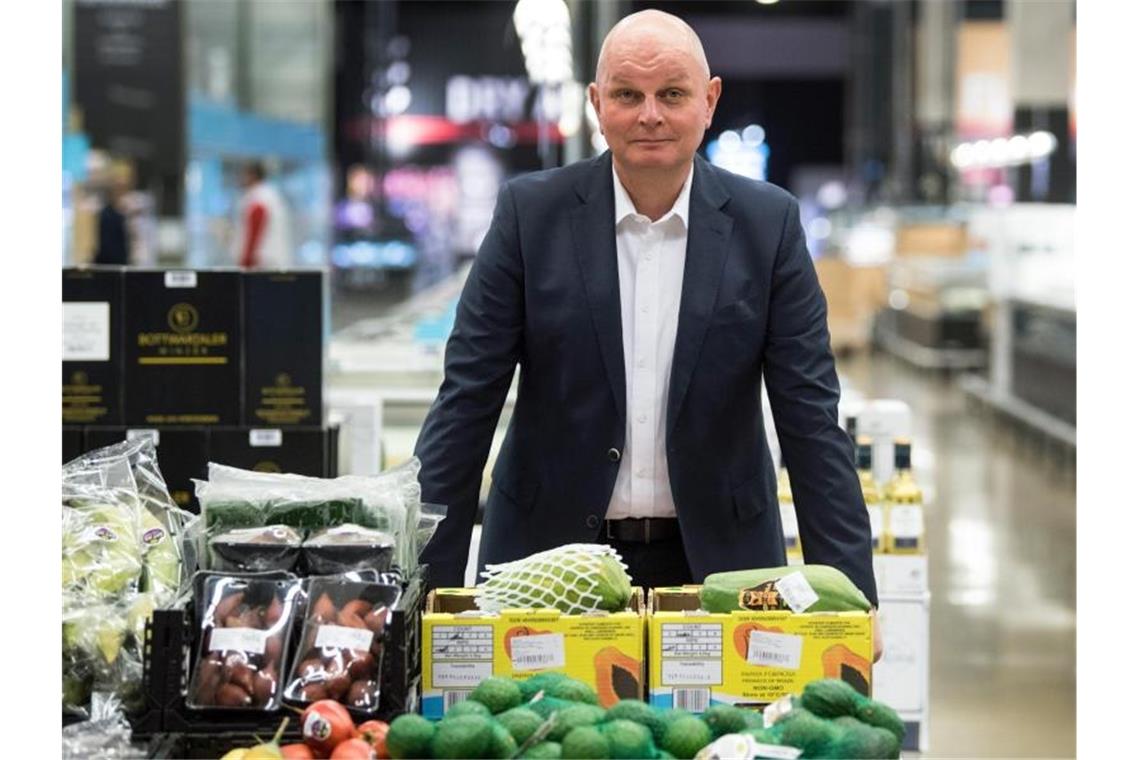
{"points": [[614, 455], [592, 521]]}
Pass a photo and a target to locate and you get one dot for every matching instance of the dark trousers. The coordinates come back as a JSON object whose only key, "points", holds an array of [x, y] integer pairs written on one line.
{"points": [[661, 563]]}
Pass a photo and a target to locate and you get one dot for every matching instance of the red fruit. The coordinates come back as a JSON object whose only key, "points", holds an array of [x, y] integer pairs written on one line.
{"points": [[297, 752], [350, 620], [362, 694], [314, 692], [273, 613], [338, 685], [353, 749], [362, 665], [359, 607], [375, 732], [264, 684], [325, 724]]}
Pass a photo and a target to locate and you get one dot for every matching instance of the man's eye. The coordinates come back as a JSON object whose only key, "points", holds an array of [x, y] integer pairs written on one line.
{"points": [[673, 94], [625, 94]]}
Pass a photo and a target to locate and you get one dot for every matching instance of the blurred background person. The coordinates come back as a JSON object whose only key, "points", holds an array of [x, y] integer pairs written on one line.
{"points": [[113, 244], [263, 222]]}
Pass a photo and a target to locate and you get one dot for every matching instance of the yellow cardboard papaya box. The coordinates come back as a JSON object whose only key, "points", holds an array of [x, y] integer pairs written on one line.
{"points": [[746, 658], [463, 645]]}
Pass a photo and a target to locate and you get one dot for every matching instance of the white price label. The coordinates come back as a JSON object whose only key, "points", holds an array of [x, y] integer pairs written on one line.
{"points": [[684, 672], [906, 521], [547, 650], [344, 637], [778, 650], [248, 640], [875, 513], [86, 331], [797, 592], [181, 279], [264, 437], [133, 435]]}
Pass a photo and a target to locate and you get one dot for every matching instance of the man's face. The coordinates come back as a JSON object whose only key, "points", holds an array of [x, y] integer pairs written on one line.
{"points": [[653, 103]]}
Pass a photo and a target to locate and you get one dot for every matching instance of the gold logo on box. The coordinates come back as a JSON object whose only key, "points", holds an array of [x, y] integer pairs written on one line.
{"points": [[283, 380], [266, 467], [182, 318], [79, 378]]}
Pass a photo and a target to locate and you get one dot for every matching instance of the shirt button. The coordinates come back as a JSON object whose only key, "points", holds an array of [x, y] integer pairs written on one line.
{"points": [[592, 521], [641, 362], [641, 418], [644, 309], [614, 455]]}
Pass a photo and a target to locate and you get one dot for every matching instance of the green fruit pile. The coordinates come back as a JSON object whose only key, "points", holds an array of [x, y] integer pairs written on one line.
{"points": [[551, 715]]}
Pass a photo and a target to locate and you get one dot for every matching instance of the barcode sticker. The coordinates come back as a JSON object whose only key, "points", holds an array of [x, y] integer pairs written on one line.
{"points": [[264, 437], [181, 279], [452, 698], [797, 592], [906, 520], [693, 700], [249, 640], [344, 637], [546, 650], [133, 435], [778, 650]]}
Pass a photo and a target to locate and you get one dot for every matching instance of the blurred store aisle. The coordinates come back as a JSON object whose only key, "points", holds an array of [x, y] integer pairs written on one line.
{"points": [[1002, 538]]}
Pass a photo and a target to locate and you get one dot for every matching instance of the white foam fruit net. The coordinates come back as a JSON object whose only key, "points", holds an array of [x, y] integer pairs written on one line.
{"points": [[574, 578]]}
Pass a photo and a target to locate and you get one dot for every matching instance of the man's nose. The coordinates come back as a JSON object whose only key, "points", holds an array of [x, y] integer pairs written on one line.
{"points": [[649, 114]]}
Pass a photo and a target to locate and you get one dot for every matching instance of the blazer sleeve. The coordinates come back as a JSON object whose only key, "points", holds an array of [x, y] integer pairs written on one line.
{"points": [[479, 363], [799, 372]]}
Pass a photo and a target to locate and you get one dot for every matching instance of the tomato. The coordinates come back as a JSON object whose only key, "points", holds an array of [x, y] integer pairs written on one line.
{"points": [[297, 752], [353, 749], [375, 732], [325, 724]]}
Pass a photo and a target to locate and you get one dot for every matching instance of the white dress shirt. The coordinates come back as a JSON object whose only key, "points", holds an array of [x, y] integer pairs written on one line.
{"points": [[651, 267]]}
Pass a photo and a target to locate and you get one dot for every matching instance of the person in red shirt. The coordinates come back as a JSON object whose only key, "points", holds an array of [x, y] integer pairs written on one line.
{"points": [[263, 241]]}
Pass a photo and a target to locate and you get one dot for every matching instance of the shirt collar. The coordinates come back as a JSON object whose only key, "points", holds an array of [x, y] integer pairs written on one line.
{"points": [[623, 206]]}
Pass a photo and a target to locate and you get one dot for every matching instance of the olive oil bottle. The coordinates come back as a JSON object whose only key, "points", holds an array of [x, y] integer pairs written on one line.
{"points": [[903, 498], [872, 496], [788, 512]]}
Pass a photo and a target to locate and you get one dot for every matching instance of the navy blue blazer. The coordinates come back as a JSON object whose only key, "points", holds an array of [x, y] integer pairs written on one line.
{"points": [[543, 295]]}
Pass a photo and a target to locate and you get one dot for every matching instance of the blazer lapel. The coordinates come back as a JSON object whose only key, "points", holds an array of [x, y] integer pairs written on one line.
{"points": [[595, 243], [710, 230]]}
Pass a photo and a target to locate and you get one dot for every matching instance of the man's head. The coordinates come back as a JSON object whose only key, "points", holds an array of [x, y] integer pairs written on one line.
{"points": [[652, 92], [252, 172]]}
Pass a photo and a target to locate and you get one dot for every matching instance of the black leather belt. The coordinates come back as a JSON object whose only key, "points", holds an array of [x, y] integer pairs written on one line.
{"points": [[646, 530]]}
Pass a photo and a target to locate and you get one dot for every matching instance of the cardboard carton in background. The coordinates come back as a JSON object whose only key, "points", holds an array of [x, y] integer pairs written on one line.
{"points": [[462, 646], [750, 659]]}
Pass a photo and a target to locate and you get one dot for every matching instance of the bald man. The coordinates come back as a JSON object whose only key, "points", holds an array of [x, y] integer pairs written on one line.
{"points": [[643, 294]]}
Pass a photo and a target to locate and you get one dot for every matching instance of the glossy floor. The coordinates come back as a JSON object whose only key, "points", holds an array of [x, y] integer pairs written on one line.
{"points": [[1002, 542]]}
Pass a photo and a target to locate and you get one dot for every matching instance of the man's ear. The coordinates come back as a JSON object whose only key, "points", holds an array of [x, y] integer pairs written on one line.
{"points": [[595, 101], [711, 99]]}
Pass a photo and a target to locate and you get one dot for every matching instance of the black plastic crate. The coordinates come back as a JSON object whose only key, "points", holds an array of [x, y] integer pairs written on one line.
{"points": [[174, 730]]}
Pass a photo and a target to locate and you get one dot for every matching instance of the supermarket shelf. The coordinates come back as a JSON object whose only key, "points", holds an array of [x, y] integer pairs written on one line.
{"points": [[1042, 422], [925, 357]]}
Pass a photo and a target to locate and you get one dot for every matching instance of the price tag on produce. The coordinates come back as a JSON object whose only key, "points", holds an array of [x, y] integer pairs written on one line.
{"points": [[776, 752], [344, 637], [778, 650], [249, 640], [797, 592], [547, 650], [729, 747]]}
